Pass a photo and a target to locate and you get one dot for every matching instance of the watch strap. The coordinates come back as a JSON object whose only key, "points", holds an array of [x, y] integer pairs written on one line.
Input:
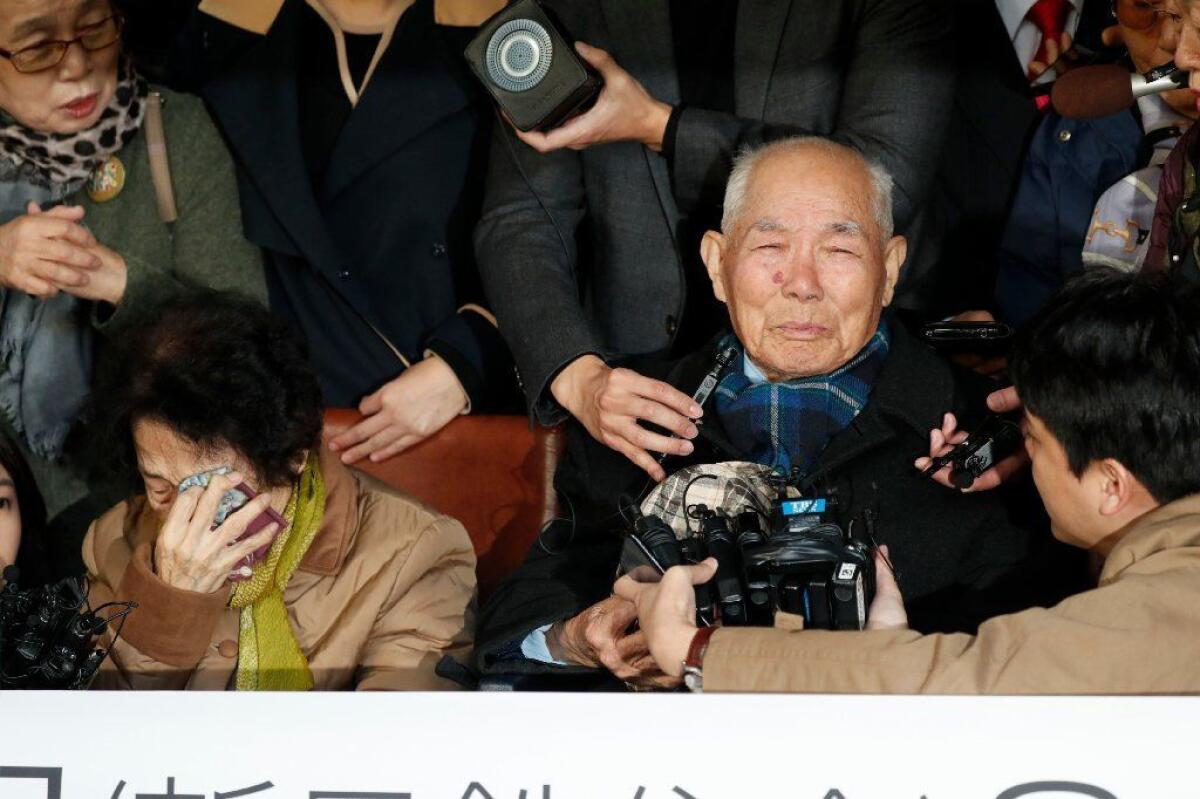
{"points": [[695, 655]]}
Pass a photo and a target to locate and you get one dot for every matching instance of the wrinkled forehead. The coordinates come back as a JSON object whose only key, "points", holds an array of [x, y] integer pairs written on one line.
{"points": [[803, 194], [163, 453], [22, 18]]}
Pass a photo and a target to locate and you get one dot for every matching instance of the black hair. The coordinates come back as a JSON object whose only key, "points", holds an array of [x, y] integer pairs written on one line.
{"points": [[219, 370], [31, 554], [1111, 366]]}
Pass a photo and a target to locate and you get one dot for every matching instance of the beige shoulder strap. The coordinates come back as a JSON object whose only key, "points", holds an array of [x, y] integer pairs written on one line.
{"points": [[387, 31], [160, 165]]}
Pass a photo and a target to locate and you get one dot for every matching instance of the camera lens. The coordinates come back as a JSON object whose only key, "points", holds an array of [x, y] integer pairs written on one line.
{"points": [[519, 55], [962, 478]]}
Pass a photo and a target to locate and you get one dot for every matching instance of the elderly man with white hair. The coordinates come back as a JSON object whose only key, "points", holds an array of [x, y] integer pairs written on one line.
{"points": [[813, 382]]}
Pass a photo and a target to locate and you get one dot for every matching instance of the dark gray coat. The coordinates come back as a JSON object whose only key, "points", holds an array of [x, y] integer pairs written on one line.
{"points": [[578, 250]]}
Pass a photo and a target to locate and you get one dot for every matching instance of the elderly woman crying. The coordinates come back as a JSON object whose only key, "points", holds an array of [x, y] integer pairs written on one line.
{"points": [[114, 195]]}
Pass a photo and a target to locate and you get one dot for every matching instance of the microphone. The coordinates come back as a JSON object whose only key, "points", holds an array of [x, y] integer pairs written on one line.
{"points": [[1103, 90]]}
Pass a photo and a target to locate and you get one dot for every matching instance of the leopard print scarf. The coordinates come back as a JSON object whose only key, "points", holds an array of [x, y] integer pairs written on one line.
{"points": [[65, 161]]}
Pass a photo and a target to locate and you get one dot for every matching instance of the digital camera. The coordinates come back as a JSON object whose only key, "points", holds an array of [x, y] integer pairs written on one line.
{"points": [[994, 440], [528, 64]]}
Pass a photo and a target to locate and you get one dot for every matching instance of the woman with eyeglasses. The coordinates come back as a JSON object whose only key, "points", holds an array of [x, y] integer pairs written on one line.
{"points": [[114, 195], [1088, 187]]}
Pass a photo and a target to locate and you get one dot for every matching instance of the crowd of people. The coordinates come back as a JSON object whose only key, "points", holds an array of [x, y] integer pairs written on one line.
{"points": [[219, 218]]}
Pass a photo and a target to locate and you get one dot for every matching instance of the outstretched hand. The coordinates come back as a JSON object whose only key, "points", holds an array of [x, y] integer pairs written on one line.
{"points": [[610, 403]]}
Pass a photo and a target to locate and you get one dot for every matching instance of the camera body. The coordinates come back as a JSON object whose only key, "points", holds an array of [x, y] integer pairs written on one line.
{"points": [[794, 560], [530, 68], [993, 441]]}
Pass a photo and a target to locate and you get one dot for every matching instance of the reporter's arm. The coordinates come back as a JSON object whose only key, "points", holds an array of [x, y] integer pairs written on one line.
{"points": [[526, 251], [1078, 647]]}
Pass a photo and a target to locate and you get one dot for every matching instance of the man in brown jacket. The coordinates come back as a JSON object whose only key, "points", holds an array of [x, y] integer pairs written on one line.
{"points": [[325, 579], [1110, 377]]}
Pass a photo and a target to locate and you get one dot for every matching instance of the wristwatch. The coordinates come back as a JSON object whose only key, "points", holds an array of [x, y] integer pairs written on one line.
{"points": [[693, 664]]}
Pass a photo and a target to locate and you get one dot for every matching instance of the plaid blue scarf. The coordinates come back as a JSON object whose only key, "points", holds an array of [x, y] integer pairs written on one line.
{"points": [[788, 425]]}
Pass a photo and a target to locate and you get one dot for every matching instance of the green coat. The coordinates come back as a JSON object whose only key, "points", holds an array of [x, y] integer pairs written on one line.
{"points": [[204, 247]]}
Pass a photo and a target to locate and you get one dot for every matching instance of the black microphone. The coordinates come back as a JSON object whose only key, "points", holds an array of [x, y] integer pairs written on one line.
{"points": [[48, 634], [1103, 90]]}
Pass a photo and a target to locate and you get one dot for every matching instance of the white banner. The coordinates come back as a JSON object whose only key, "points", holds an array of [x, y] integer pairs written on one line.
{"points": [[556, 746]]}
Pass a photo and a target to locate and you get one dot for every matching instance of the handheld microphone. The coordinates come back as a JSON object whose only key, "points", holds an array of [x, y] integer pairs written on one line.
{"points": [[709, 383], [1103, 90]]}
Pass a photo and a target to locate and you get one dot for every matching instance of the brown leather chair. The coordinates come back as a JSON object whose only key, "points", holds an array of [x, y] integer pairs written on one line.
{"points": [[492, 473]]}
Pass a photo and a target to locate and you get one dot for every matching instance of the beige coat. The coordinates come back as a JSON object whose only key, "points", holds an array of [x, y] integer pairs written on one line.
{"points": [[1138, 632], [386, 588]]}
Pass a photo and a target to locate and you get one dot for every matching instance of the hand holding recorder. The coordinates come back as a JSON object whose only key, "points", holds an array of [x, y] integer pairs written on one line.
{"points": [[944, 441]]}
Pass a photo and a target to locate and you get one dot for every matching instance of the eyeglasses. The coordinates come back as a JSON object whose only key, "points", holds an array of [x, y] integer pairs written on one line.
{"points": [[1142, 15], [49, 54]]}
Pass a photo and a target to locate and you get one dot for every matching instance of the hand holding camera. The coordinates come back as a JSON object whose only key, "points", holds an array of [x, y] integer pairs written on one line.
{"points": [[193, 556], [544, 82], [792, 560], [944, 441], [666, 608], [624, 111]]}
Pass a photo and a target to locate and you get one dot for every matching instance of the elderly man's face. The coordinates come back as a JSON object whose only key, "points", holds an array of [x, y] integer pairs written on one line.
{"points": [[805, 271]]}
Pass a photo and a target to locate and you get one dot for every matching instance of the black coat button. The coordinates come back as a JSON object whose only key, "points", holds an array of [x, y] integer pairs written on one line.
{"points": [[672, 325], [438, 249], [344, 274]]}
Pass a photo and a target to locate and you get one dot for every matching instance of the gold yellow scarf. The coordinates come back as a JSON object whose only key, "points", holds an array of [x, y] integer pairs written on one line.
{"points": [[269, 657]]}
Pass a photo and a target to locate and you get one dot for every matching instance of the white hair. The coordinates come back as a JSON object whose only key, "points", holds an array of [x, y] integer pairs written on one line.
{"points": [[748, 160]]}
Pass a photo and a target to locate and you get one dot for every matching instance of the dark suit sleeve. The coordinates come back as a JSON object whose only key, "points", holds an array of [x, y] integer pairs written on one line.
{"points": [[570, 567], [525, 247], [895, 103], [566, 572], [470, 344]]}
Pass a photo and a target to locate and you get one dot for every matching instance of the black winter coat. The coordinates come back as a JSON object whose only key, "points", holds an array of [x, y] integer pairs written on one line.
{"points": [[960, 558]]}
